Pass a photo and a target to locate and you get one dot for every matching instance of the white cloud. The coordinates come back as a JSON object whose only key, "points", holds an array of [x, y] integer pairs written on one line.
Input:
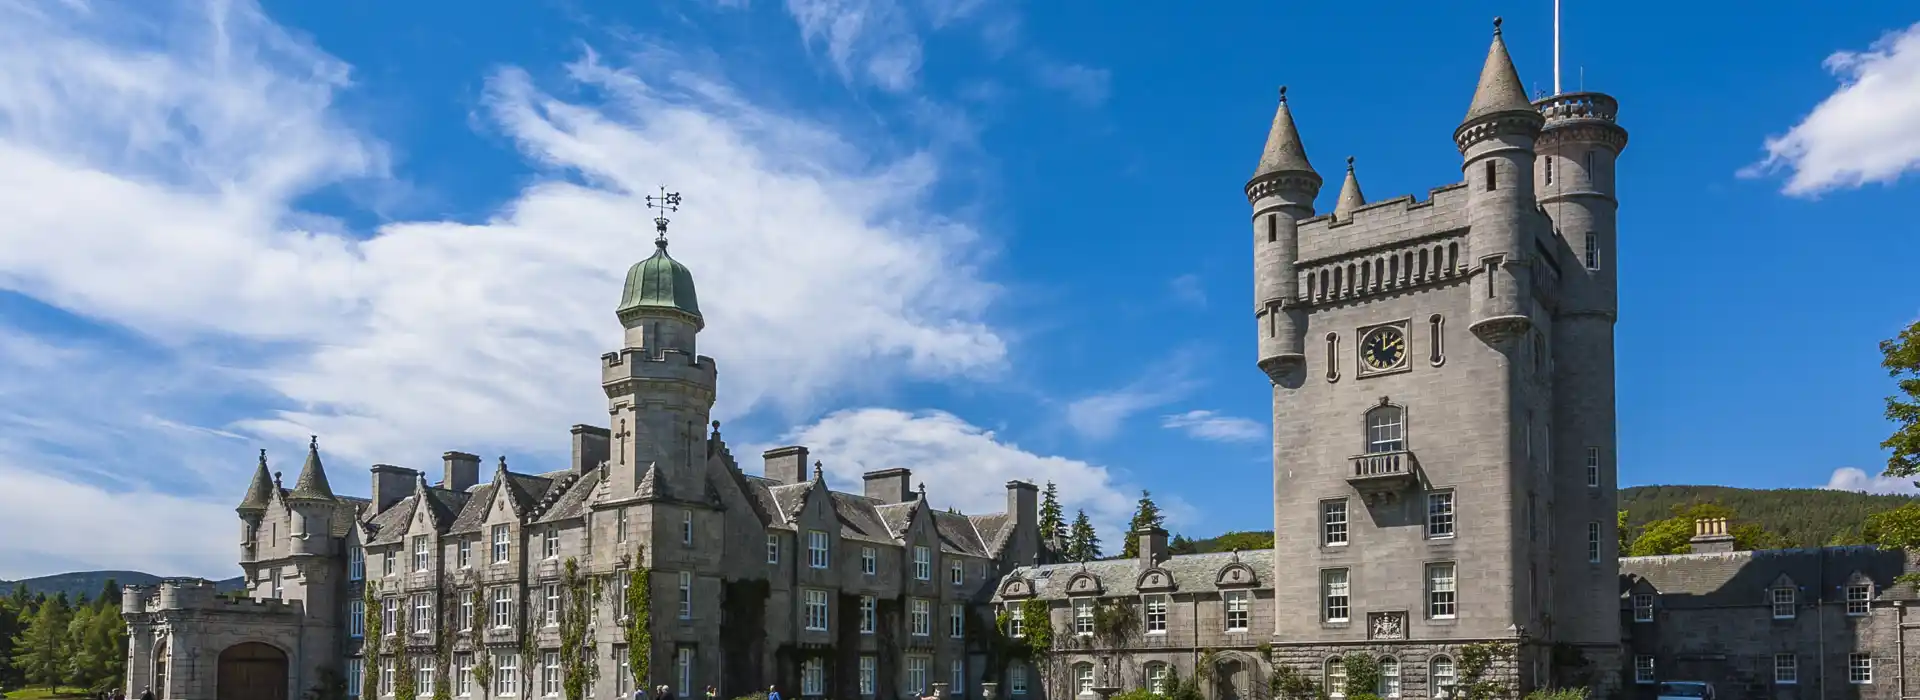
{"points": [[78, 527], [1867, 131], [868, 41], [1190, 289], [1100, 416], [963, 466], [1208, 425], [1852, 479], [1086, 85], [149, 165]]}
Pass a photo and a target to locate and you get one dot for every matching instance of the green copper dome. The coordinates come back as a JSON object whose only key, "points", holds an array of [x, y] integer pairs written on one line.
{"points": [[659, 282]]}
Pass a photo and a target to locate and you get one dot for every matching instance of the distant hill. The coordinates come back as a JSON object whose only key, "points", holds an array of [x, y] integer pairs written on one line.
{"points": [[1804, 517], [89, 583]]}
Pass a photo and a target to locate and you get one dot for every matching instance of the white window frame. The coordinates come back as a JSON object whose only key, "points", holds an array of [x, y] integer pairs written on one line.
{"points": [[956, 621], [1593, 251], [1334, 523], [1386, 430], [502, 544], [957, 574], [1593, 541], [869, 675], [867, 614], [390, 617], [506, 675], [1785, 603], [463, 674], [1389, 684], [918, 675], [1083, 678], [1859, 599], [1237, 610], [464, 552], [1643, 607], [620, 525], [387, 566], [1860, 669], [1082, 617], [357, 564], [1443, 591], [868, 559], [1336, 595], [817, 551], [683, 662], [466, 610], [1156, 613], [815, 604], [957, 685], [357, 619], [550, 544], [623, 675], [1442, 515], [386, 677], [1156, 678], [1336, 677], [424, 675], [1644, 671], [356, 670], [773, 548], [686, 527], [921, 617], [1017, 680], [422, 613], [1443, 676], [686, 595], [502, 612], [1786, 669], [922, 563], [552, 602], [1593, 467], [813, 680], [1016, 620]]}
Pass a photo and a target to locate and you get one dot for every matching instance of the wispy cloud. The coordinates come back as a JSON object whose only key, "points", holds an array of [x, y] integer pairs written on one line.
{"points": [[1100, 416], [868, 41], [1852, 479], [1189, 289], [1867, 131], [1086, 85], [1208, 425]]}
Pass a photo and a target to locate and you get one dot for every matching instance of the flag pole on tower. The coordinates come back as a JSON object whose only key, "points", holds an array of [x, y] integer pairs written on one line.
{"points": [[1556, 47]]}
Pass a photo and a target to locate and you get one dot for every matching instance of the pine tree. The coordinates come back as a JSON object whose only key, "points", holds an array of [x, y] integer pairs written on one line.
{"points": [[1145, 516], [40, 651], [9, 628], [109, 594], [1053, 522], [1083, 544]]}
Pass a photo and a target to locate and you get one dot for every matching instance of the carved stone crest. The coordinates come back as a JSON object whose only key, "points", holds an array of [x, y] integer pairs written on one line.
{"points": [[1387, 625]]}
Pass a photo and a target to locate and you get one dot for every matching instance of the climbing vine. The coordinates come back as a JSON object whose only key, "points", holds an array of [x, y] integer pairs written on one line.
{"points": [[403, 685], [576, 652], [529, 647], [640, 620], [1288, 683], [482, 659], [1363, 674], [370, 643], [443, 648], [1475, 661]]}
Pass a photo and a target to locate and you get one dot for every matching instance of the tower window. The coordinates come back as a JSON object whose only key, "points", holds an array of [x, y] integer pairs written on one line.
{"points": [[1593, 251], [1386, 430], [1593, 542], [1592, 174], [1593, 467], [1273, 230], [1547, 168], [1437, 340], [1333, 357], [1489, 176]]}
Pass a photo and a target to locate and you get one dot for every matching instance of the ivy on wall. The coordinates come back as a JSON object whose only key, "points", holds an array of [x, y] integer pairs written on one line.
{"points": [[576, 651], [1476, 660], [482, 659], [370, 644], [403, 686], [640, 620]]}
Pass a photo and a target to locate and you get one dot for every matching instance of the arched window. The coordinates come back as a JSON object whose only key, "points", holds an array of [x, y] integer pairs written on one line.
{"points": [[1386, 430], [1083, 677], [1389, 678], [1157, 678], [1336, 677], [1440, 674]]}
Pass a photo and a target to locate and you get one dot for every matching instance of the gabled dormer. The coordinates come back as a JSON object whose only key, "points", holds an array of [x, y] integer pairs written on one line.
{"points": [[1085, 583], [1156, 580], [1783, 598], [1236, 574]]}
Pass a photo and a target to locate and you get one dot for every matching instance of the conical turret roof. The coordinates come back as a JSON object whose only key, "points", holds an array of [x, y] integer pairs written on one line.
{"points": [[1499, 89], [1350, 197], [313, 477], [260, 492], [1284, 152]]}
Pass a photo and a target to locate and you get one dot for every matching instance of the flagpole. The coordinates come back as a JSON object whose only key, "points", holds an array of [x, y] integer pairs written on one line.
{"points": [[1556, 47]]}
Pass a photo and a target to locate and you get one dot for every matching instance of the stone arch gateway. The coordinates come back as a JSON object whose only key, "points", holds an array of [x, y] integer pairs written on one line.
{"points": [[252, 671]]}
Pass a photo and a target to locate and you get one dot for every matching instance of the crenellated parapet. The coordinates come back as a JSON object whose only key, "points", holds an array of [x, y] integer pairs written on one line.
{"points": [[182, 595], [620, 369], [1582, 116]]}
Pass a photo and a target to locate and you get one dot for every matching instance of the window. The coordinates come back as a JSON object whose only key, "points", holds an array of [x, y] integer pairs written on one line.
{"points": [[922, 617], [1386, 430], [465, 549], [1156, 678], [1442, 602], [922, 563], [1786, 669], [1859, 599], [867, 560], [506, 674], [386, 677], [1593, 175], [1643, 669], [957, 574], [1489, 169], [421, 556], [387, 567], [773, 548], [550, 545], [620, 586], [463, 674], [816, 610], [868, 675], [1547, 169], [1156, 614], [1333, 590], [1083, 678], [1442, 675], [956, 620], [1593, 251], [1333, 522], [813, 677], [1783, 607], [1336, 678], [500, 544], [357, 619], [279, 585], [622, 677], [1643, 607], [1593, 542], [1333, 344], [916, 674], [1083, 617], [423, 675], [1017, 680], [1440, 514], [1859, 669], [620, 526], [958, 675], [389, 616], [684, 664], [1593, 467], [1237, 609], [1437, 355], [422, 613], [686, 527], [355, 669], [866, 614], [816, 549], [503, 606], [357, 564], [1016, 624], [465, 619], [686, 595], [1273, 233], [1389, 678]]}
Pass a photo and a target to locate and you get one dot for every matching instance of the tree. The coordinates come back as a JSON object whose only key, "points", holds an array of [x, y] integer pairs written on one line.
{"points": [[1053, 522], [1674, 535], [40, 651], [1626, 533], [1901, 358], [1083, 544], [1895, 529], [109, 594], [1146, 515]]}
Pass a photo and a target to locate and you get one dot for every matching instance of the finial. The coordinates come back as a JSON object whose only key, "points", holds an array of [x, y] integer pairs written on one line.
{"points": [[716, 425], [1349, 163], [276, 478], [263, 456], [816, 469], [1283, 93], [313, 442], [666, 202], [1496, 26], [923, 490], [503, 462]]}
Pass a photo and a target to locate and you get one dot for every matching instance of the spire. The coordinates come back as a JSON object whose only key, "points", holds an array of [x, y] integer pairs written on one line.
{"points": [[260, 491], [312, 483], [1284, 152], [1350, 197], [1499, 89]]}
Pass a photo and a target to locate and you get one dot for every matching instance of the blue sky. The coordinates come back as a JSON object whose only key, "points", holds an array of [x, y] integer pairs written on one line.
{"points": [[980, 239]]}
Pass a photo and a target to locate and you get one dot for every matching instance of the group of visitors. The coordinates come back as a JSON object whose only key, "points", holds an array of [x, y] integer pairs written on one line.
{"points": [[664, 692]]}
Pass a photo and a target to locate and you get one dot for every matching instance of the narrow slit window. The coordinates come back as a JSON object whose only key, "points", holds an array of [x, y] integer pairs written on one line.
{"points": [[1273, 228], [1547, 168], [1490, 173], [1593, 251], [1437, 339], [1592, 175], [1333, 357]]}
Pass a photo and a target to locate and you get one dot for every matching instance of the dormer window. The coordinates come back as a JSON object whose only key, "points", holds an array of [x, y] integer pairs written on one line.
{"points": [[1859, 599], [1783, 603], [1643, 607]]}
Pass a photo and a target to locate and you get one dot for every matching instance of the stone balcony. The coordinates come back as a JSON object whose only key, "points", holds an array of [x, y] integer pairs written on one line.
{"points": [[1380, 476]]}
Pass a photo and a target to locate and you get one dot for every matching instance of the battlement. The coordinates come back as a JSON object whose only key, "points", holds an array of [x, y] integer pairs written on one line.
{"points": [[1577, 106], [199, 594], [668, 364], [1389, 223]]}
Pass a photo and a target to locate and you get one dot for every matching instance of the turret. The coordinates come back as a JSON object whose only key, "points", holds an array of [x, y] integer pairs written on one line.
{"points": [[1496, 141], [253, 507], [1576, 154], [1350, 197], [312, 503], [1281, 192]]}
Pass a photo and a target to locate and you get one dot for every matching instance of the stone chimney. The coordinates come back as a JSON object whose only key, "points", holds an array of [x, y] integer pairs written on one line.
{"points": [[1023, 509], [889, 485], [390, 484], [589, 447], [1153, 547], [786, 465], [463, 471], [1711, 536]]}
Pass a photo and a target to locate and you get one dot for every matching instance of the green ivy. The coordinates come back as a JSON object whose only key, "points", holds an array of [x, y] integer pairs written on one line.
{"points": [[1475, 661], [403, 685], [1363, 675], [1036, 621], [640, 620], [443, 648], [482, 659], [576, 651], [1288, 683], [370, 644]]}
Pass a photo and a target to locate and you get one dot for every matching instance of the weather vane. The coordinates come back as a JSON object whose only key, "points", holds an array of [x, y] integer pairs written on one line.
{"points": [[666, 202]]}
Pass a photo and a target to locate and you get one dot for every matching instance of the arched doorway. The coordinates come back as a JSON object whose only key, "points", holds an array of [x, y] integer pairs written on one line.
{"points": [[252, 671], [1230, 680]]}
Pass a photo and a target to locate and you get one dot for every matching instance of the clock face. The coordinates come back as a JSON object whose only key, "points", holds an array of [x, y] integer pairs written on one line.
{"points": [[1383, 348]]}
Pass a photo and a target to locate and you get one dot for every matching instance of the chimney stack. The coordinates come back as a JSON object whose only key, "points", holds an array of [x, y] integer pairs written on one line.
{"points": [[390, 484], [889, 485], [589, 447], [1023, 508], [463, 471], [786, 465], [1711, 536], [1153, 546]]}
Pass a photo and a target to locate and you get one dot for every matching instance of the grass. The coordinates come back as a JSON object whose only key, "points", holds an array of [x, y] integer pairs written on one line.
{"points": [[44, 693]]}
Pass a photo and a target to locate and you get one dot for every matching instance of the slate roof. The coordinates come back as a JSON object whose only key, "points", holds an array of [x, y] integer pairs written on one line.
{"points": [[957, 534], [479, 498], [868, 520], [1499, 89], [571, 501], [390, 524], [859, 520], [1191, 573], [1742, 578], [995, 529]]}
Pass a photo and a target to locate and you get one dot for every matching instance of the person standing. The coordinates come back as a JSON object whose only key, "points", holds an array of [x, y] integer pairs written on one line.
{"points": [[147, 694], [773, 693]]}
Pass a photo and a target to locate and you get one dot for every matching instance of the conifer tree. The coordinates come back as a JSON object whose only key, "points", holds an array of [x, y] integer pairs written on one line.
{"points": [[1053, 522], [1083, 544], [40, 651], [1146, 515]]}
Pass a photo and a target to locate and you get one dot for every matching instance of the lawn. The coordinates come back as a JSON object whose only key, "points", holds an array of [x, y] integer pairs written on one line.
{"points": [[44, 693]]}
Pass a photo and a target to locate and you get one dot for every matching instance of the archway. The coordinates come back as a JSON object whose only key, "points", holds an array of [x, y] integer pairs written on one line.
{"points": [[252, 671], [1230, 680]]}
